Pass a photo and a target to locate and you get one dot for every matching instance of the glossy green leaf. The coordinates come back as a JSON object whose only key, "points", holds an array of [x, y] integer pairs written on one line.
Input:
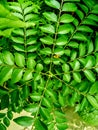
{"points": [[69, 7], [19, 59], [16, 75], [50, 16], [59, 51], [28, 10], [46, 51], [73, 54], [82, 49], [90, 62], [67, 77], [8, 58], [66, 18], [10, 115], [47, 40], [36, 97], [84, 28], [64, 29], [39, 67], [5, 74], [65, 67], [31, 63], [77, 77], [93, 17], [53, 3], [31, 41], [46, 102], [92, 101], [19, 47], [73, 44], [76, 65], [79, 36], [90, 46], [39, 125], [25, 92], [44, 112], [62, 40], [27, 75], [32, 108], [18, 40], [93, 88], [32, 48], [48, 29], [90, 75], [80, 14], [24, 121]]}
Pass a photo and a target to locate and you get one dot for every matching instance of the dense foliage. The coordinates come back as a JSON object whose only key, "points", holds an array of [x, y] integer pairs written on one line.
{"points": [[48, 61]]}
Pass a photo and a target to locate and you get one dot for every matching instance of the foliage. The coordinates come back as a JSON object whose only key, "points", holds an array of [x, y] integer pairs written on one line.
{"points": [[48, 62]]}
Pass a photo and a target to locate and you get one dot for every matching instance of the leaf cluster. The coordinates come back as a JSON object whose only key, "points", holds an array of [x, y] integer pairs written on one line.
{"points": [[51, 62]]}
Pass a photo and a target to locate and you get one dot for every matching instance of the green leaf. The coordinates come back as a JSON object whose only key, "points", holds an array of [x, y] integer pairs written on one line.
{"points": [[16, 75], [84, 28], [39, 125], [77, 77], [19, 47], [4, 101], [53, 3], [79, 36], [8, 58], [44, 112], [24, 121], [69, 7], [73, 44], [80, 14], [10, 115], [59, 51], [66, 18], [27, 75], [2, 127], [48, 29], [92, 101], [31, 63], [90, 75], [2, 115], [39, 67], [6, 121], [82, 49], [90, 46], [18, 40], [67, 77], [62, 40], [65, 67], [96, 44], [5, 74], [32, 48], [31, 41], [47, 40], [90, 62], [32, 108], [73, 54], [36, 97], [61, 100], [46, 102], [93, 89], [28, 10], [19, 59], [95, 9], [76, 65], [64, 29], [45, 51], [3, 91], [25, 92], [93, 17], [50, 16]]}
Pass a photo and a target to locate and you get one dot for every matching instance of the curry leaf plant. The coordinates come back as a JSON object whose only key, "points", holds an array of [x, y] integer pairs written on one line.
{"points": [[48, 62]]}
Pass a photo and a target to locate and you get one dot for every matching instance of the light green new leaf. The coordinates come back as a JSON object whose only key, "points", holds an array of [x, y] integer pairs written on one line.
{"points": [[53, 3], [64, 29], [77, 77], [6, 33], [28, 10], [8, 58], [66, 18], [50, 16], [16, 8], [62, 40], [24, 121], [48, 28], [5, 74], [16, 75], [92, 101], [27, 75], [90, 75], [19, 59], [69, 7], [47, 40]]}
